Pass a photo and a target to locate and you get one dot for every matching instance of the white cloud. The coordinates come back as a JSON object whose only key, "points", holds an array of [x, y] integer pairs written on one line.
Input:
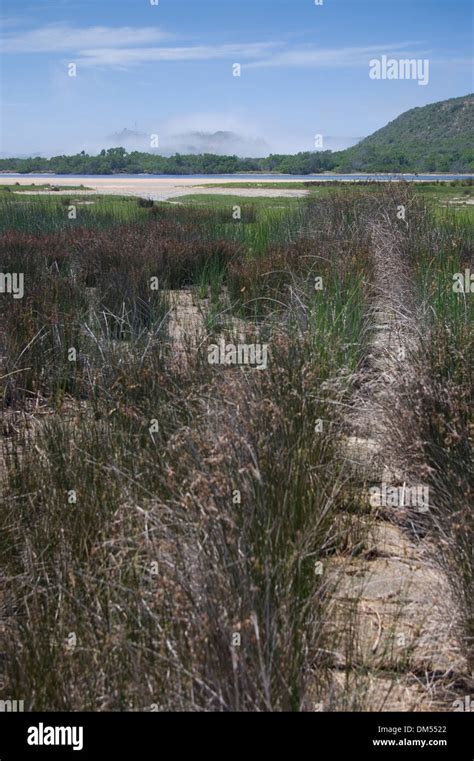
{"points": [[319, 57], [62, 37], [130, 56], [121, 47]]}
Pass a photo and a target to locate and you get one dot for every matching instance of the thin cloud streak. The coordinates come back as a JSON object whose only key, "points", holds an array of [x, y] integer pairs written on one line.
{"points": [[133, 56], [250, 56], [64, 38], [319, 57]]}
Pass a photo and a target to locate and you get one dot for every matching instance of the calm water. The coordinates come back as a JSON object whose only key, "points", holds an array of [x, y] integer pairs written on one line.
{"points": [[249, 177]]}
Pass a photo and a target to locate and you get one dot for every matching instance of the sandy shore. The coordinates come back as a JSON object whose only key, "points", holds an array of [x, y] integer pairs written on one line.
{"points": [[158, 188]]}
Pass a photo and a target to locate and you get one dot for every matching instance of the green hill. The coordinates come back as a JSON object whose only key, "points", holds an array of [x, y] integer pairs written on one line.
{"points": [[434, 138]]}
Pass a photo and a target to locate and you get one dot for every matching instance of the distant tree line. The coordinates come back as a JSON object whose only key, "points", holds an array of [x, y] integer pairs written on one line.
{"points": [[118, 160], [451, 155]]}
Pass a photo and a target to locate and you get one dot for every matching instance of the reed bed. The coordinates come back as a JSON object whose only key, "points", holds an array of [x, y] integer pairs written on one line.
{"points": [[168, 524]]}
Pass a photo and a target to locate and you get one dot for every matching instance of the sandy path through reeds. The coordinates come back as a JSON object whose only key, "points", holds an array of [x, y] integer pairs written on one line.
{"points": [[399, 650]]}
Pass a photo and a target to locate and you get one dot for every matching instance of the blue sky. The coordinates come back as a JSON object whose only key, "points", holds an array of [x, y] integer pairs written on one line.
{"points": [[167, 69]]}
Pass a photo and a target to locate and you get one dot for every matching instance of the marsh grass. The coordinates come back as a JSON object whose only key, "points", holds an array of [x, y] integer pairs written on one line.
{"points": [[161, 534], [158, 566], [431, 420], [164, 520]]}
